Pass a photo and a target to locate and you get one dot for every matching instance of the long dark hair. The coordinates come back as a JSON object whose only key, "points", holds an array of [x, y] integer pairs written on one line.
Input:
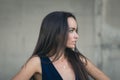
{"points": [[52, 40]]}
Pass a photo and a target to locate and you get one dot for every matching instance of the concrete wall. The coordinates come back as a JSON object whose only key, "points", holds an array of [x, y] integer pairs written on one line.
{"points": [[99, 31], [111, 38]]}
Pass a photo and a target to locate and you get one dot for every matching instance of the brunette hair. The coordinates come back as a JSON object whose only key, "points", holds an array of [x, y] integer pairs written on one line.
{"points": [[52, 40]]}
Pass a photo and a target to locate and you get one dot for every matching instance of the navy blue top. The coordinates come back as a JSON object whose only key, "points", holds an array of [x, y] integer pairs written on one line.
{"points": [[49, 72]]}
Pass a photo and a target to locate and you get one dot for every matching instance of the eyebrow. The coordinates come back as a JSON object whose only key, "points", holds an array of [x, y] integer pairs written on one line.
{"points": [[73, 28]]}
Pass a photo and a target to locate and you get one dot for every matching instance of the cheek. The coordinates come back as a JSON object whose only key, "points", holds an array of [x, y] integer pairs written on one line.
{"points": [[69, 39], [70, 36]]}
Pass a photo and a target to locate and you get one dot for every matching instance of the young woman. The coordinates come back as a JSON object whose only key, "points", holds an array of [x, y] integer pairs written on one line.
{"points": [[55, 56]]}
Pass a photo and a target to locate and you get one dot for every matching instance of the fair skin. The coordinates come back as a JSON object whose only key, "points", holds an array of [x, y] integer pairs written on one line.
{"points": [[72, 36], [34, 64]]}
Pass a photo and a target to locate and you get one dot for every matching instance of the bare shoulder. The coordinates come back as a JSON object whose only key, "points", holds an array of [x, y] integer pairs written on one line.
{"points": [[35, 60], [33, 65], [95, 72]]}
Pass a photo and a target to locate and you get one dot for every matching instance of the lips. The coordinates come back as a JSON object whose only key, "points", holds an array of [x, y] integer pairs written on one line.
{"points": [[74, 42]]}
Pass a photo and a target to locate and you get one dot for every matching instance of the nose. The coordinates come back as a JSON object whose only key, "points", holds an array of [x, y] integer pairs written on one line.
{"points": [[76, 36]]}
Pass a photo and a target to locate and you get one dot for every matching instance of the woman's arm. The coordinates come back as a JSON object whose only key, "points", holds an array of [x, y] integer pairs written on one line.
{"points": [[94, 72], [31, 67]]}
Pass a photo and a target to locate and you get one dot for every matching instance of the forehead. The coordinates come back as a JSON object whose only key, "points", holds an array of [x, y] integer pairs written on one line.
{"points": [[72, 22]]}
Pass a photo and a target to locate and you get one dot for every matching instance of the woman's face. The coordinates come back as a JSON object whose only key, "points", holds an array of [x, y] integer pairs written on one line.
{"points": [[72, 33]]}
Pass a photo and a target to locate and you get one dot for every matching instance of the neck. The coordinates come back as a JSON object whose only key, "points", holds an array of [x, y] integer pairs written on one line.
{"points": [[59, 57]]}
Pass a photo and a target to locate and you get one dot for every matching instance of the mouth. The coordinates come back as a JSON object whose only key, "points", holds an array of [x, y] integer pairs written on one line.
{"points": [[74, 42]]}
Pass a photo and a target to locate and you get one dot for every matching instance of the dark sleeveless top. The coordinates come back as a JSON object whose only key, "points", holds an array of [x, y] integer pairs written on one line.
{"points": [[49, 72]]}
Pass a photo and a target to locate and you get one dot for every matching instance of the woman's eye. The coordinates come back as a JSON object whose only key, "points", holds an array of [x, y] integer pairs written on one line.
{"points": [[71, 30]]}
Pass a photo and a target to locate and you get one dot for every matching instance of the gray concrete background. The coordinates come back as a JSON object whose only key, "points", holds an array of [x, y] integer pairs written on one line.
{"points": [[99, 30]]}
